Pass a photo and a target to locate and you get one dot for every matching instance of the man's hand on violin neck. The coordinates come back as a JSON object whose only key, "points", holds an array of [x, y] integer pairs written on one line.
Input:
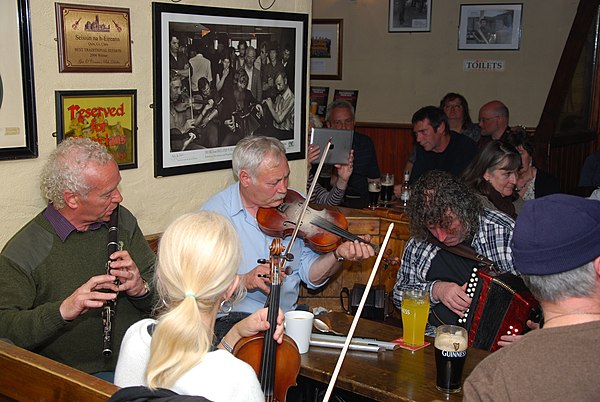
{"points": [[355, 250], [258, 278]]}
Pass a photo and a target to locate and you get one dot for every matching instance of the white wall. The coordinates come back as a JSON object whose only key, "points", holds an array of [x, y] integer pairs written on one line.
{"points": [[397, 73], [155, 201]]}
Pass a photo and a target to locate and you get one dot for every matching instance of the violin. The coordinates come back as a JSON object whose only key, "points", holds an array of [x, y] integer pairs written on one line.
{"points": [[322, 230], [276, 366]]}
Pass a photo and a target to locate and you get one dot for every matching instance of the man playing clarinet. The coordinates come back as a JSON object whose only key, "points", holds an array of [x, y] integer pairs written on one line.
{"points": [[53, 273]]}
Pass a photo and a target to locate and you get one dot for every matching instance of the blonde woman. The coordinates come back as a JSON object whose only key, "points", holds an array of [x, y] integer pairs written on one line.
{"points": [[196, 276]]}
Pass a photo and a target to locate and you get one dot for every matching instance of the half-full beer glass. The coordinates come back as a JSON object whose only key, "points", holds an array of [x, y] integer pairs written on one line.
{"points": [[415, 310], [387, 188], [450, 353], [374, 190]]}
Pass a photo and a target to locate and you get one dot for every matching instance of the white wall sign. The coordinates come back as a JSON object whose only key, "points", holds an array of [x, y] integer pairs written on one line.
{"points": [[484, 65]]}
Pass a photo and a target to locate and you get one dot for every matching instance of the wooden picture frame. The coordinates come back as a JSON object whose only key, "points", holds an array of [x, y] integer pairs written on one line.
{"points": [[93, 39], [490, 26], [18, 127], [218, 117], [108, 117], [326, 49]]}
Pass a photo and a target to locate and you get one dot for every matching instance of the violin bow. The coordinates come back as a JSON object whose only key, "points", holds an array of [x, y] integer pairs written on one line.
{"points": [[340, 361], [305, 204], [191, 98]]}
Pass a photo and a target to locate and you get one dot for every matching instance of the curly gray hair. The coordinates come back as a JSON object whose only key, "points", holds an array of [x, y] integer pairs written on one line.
{"points": [[64, 170], [435, 195]]}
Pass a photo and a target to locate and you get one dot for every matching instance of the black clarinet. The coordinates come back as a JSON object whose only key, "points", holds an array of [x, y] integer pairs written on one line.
{"points": [[109, 309]]}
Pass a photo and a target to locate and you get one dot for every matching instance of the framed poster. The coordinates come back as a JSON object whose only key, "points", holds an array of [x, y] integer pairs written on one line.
{"points": [[203, 105], [326, 49], [409, 16], [93, 38], [18, 131], [490, 27], [108, 117]]}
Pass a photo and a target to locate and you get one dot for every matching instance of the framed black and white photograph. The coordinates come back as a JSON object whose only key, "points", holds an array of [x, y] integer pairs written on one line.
{"points": [[221, 75], [326, 49], [409, 16], [490, 27], [18, 131]]}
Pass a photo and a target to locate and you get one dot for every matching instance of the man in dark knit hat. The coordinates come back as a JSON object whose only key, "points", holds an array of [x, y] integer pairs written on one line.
{"points": [[556, 248]]}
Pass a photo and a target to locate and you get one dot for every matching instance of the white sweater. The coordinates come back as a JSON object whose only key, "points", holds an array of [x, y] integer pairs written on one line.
{"points": [[219, 377]]}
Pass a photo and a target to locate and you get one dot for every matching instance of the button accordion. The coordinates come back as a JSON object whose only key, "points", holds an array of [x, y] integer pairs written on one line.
{"points": [[501, 305]]}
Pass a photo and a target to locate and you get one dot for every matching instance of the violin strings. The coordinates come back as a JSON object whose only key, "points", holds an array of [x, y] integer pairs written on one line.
{"points": [[333, 228]]}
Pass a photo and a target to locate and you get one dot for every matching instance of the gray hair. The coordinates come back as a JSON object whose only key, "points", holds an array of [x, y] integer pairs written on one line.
{"points": [[65, 168], [578, 282], [251, 151], [339, 104]]}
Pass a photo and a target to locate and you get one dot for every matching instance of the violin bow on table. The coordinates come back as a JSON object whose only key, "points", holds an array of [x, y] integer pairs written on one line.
{"points": [[340, 361]]}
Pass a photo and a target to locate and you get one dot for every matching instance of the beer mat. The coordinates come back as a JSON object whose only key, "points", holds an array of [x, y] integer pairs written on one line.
{"points": [[400, 341]]}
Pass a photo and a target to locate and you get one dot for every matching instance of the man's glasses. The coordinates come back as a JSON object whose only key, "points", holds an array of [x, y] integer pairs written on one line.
{"points": [[484, 119]]}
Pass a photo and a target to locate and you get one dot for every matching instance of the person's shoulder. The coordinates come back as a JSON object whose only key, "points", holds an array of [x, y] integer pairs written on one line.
{"points": [[363, 139], [220, 201], [464, 142], [37, 234], [496, 217]]}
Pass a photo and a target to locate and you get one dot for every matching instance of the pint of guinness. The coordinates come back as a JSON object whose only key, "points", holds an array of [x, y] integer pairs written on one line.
{"points": [[450, 353]]}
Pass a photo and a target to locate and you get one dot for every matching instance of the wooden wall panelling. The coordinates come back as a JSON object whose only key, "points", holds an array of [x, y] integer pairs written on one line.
{"points": [[393, 144]]}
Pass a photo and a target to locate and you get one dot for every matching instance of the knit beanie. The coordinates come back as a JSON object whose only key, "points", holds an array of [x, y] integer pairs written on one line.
{"points": [[555, 234]]}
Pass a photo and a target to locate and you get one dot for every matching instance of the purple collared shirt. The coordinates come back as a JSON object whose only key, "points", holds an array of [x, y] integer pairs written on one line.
{"points": [[61, 225]]}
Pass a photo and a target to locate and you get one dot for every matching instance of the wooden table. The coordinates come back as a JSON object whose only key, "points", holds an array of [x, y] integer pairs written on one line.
{"points": [[399, 375]]}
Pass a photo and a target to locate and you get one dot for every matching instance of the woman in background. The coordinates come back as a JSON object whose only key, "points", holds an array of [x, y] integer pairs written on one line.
{"points": [[196, 276], [532, 182], [493, 175], [456, 108]]}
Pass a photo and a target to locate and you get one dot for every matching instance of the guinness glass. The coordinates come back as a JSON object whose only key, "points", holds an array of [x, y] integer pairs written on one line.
{"points": [[450, 353]]}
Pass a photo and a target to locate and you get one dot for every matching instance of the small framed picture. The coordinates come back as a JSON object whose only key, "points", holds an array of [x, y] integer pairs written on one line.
{"points": [[490, 27], [326, 49], [104, 116], [409, 16]]}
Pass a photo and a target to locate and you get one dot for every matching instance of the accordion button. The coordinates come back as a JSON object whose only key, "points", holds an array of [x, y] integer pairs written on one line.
{"points": [[516, 330]]}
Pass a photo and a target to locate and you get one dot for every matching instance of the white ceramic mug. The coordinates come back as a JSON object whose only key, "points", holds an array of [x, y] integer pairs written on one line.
{"points": [[298, 326]]}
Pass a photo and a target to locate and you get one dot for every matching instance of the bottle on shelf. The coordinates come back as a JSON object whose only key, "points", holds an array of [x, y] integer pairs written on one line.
{"points": [[405, 190]]}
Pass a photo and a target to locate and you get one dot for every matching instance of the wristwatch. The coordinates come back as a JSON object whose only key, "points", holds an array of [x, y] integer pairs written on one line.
{"points": [[338, 257]]}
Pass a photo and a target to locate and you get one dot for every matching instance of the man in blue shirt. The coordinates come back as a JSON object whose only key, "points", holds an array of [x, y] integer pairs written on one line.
{"points": [[261, 167]]}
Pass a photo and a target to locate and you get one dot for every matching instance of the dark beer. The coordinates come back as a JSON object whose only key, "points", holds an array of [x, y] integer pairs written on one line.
{"points": [[387, 192], [374, 190], [450, 356]]}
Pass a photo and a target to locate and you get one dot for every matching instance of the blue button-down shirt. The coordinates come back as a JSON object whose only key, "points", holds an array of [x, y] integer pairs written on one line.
{"points": [[255, 245]]}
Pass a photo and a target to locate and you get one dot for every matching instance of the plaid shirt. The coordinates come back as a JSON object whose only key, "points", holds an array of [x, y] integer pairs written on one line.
{"points": [[492, 240]]}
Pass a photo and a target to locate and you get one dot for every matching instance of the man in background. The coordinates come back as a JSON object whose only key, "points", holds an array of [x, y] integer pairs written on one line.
{"points": [[340, 115], [493, 120], [437, 147]]}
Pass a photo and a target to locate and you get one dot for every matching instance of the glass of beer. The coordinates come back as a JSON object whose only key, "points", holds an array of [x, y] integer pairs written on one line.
{"points": [[374, 190], [450, 353], [387, 188], [415, 310]]}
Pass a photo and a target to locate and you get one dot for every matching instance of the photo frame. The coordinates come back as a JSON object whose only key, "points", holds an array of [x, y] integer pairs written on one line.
{"points": [[108, 117], [197, 124], [18, 127], [326, 49], [93, 39], [490, 27], [409, 16]]}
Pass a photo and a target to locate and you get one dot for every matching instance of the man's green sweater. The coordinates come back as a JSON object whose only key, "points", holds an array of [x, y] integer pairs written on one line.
{"points": [[38, 271]]}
